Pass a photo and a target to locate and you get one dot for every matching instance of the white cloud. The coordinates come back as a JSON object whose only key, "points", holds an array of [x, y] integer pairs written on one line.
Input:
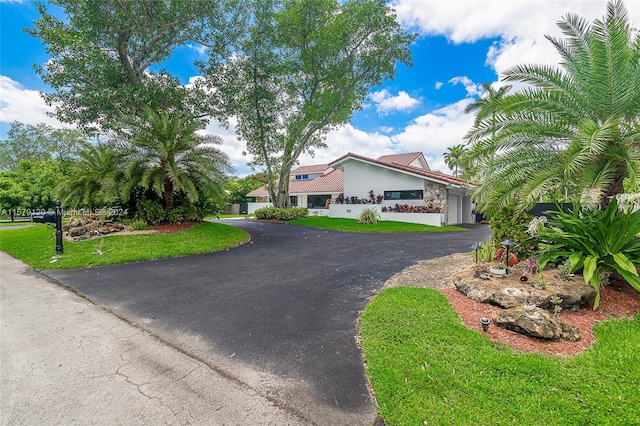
{"points": [[198, 48], [470, 87], [387, 103], [433, 133], [519, 24], [24, 105], [438, 85]]}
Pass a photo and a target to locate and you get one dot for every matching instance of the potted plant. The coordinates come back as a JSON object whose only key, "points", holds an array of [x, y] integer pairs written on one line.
{"points": [[530, 266], [498, 269], [539, 283]]}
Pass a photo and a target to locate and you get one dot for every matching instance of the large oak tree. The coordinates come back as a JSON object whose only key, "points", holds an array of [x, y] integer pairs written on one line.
{"points": [[302, 70], [106, 55]]}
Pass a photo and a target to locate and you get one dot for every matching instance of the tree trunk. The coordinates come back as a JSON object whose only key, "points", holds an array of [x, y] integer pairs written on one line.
{"points": [[283, 199], [168, 196], [615, 188]]}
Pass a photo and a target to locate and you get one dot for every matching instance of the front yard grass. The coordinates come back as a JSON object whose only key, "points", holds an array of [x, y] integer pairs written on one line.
{"points": [[426, 366], [36, 245], [352, 225]]}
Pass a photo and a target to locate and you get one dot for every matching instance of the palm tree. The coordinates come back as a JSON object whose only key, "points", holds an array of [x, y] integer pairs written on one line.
{"points": [[454, 156], [94, 178], [487, 107], [577, 126], [169, 158]]}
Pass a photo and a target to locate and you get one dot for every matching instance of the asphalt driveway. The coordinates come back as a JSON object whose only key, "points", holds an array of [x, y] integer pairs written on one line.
{"points": [[278, 314]]}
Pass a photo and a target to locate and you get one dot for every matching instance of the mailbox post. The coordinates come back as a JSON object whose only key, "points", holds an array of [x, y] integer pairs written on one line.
{"points": [[52, 217], [59, 248]]}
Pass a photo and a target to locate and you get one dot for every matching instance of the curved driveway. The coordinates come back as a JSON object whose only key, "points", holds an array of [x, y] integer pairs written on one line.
{"points": [[279, 314]]}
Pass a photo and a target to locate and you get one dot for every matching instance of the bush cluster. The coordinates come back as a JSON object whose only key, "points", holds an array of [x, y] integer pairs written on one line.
{"points": [[184, 213], [290, 213], [150, 211], [508, 224]]}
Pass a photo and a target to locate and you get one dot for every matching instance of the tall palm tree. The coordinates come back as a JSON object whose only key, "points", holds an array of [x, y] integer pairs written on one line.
{"points": [[576, 126], [168, 157], [454, 156], [487, 109]]}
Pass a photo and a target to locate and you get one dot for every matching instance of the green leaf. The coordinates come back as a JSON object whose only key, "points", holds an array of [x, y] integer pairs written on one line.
{"points": [[589, 273], [625, 263]]}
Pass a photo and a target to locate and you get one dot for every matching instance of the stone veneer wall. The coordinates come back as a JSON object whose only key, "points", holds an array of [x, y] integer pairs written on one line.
{"points": [[436, 194]]}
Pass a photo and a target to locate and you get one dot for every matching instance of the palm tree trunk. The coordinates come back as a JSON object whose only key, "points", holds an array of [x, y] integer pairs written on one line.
{"points": [[168, 196]]}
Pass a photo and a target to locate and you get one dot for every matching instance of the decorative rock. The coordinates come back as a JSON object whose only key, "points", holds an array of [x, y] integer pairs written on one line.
{"points": [[76, 232], [80, 230], [509, 292], [536, 323]]}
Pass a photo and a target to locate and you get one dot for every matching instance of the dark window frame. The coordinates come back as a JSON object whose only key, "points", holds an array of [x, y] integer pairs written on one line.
{"points": [[412, 194]]}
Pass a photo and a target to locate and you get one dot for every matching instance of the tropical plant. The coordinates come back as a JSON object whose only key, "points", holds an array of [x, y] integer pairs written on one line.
{"points": [[168, 157], [575, 130], [368, 216], [453, 158], [486, 108], [94, 179], [596, 242]]}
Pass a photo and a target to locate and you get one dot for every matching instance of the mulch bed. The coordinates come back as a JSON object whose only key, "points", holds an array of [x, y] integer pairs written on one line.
{"points": [[617, 301], [168, 228]]}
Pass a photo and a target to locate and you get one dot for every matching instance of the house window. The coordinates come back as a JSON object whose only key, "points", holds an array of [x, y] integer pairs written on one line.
{"points": [[403, 195], [302, 177], [317, 201], [294, 200]]}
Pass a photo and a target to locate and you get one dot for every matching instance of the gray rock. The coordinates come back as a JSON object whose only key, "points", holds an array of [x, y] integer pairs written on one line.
{"points": [[76, 232], [510, 292], [536, 323]]}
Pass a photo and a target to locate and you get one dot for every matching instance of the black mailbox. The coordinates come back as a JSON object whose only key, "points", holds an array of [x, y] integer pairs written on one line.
{"points": [[46, 217], [52, 217]]}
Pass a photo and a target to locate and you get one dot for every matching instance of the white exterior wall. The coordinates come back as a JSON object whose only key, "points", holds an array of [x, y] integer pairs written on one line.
{"points": [[352, 211], [252, 207], [360, 178], [460, 207]]}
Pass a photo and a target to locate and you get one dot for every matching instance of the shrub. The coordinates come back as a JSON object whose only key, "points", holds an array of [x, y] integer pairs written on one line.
{"points": [[595, 242], [509, 225], [150, 211], [369, 216], [138, 225], [486, 252], [181, 214], [284, 214]]}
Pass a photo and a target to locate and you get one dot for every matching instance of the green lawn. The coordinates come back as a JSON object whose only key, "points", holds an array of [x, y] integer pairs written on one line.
{"points": [[426, 366], [36, 245], [352, 225]]}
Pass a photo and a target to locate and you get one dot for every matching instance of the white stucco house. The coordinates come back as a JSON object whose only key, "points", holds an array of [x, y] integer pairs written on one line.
{"points": [[401, 187]]}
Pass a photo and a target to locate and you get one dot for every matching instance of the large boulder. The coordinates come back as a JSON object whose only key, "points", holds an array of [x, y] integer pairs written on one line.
{"points": [[535, 323], [510, 292]]}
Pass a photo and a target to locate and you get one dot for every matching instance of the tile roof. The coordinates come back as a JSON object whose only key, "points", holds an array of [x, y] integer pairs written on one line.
{"points": [[331, 182], [316, 168], [406, 158], [451, 180]]}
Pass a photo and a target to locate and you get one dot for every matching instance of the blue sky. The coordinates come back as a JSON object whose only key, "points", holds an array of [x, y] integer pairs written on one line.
{"points": [[462, 44]]}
